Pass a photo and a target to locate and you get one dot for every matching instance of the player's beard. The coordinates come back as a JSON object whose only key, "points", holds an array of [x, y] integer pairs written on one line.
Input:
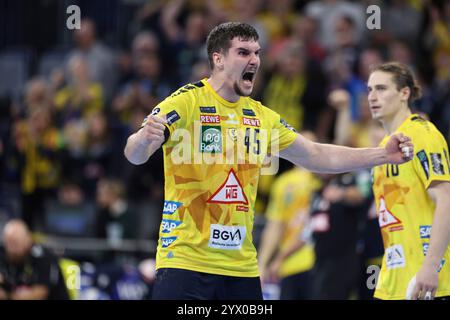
{"points": [[239, 91]]}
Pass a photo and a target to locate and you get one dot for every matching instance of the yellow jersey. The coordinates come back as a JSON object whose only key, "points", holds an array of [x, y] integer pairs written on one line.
{"points": [[406, 211], [213, 156], [289, 203]]}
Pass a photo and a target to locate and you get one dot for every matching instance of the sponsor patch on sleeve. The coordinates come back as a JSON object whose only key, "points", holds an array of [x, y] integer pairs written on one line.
{"points": [[422, 156], [172, 117], [436, 161], [288, 126]]}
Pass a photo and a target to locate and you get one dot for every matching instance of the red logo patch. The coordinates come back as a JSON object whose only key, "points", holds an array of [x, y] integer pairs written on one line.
{"points": [[251, 122], [209, 119]]}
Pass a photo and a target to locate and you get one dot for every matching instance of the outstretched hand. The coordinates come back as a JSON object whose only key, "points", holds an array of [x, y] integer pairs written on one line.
{"points": [[399, 149]]}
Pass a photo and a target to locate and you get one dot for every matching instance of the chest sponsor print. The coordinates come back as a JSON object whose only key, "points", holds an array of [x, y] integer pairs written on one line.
{"points": [[226, 237], [230, 191], [395, 257], [387, 218]]}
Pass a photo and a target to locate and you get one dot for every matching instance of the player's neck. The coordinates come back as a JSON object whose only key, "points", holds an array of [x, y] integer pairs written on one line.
{"points": [[223, 88], [391, 125]]}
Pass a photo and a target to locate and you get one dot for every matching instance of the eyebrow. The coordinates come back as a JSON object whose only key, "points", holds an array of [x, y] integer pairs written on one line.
{"points": [[247, 50], [377, 86]]}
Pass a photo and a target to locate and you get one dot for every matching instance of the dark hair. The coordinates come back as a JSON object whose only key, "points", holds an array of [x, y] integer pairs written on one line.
{"points": [[219, 39], [402, 77]]}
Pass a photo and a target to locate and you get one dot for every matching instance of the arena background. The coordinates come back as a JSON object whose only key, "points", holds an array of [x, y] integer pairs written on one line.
{"points": [[70, 98]]}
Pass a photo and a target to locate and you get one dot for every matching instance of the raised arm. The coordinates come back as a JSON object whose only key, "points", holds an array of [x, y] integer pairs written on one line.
{"points": [[327, 158], [142, 144]]}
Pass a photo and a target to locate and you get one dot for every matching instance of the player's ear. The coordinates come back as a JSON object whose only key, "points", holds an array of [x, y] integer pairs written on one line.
{"points": [[405, 93], [218, 60]]}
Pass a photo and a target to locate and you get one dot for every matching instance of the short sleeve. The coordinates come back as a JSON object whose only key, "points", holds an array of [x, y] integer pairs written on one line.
{"points": [[432, 158], [176, 109], [282, 134]]}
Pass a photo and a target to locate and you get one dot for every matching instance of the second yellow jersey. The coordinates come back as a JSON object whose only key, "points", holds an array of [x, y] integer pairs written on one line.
{"points": [[289, 203], [405, 209], [213, 157]]}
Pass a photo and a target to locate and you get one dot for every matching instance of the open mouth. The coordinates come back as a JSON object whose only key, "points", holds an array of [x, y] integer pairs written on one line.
{"points": [[248, 77], [375, 108]]}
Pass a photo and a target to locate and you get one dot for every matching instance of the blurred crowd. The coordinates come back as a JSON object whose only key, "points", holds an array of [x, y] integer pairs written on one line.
{"points": [[67, 108]]}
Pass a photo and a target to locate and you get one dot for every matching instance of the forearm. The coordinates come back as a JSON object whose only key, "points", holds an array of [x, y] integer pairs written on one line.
{"points": [[327, 158], [293, 247], [137, 151], [440, 233], [269, 242]]}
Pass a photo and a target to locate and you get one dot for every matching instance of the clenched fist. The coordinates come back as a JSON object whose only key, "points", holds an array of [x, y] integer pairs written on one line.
{"points": [[399, 149], [153, 131]]}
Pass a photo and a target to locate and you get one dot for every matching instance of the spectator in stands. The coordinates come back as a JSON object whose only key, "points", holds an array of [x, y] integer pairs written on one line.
{"points": [[28, 271], [81, 96], [100, 59], [184, 42], [146, 90], [115, 221], [328, 12], [38, 144]]}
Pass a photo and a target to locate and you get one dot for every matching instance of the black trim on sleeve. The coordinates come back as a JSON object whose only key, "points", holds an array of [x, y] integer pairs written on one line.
{"points": [[166, 134]]}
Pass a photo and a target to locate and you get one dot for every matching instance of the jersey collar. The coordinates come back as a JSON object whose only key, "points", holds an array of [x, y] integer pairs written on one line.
{"points": [[406, 122]]}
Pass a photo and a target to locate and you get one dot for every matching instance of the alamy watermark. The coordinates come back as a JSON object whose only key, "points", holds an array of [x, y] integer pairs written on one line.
{"points": [[373, 22], [373, 271], [73, 277], [216, 145], [74, 20]]}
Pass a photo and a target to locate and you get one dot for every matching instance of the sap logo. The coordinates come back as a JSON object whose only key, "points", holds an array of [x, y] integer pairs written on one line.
{"points": [[425, 247], [168, 225], [167, 241], [226, 237], [425, 232], [171, 206]]}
